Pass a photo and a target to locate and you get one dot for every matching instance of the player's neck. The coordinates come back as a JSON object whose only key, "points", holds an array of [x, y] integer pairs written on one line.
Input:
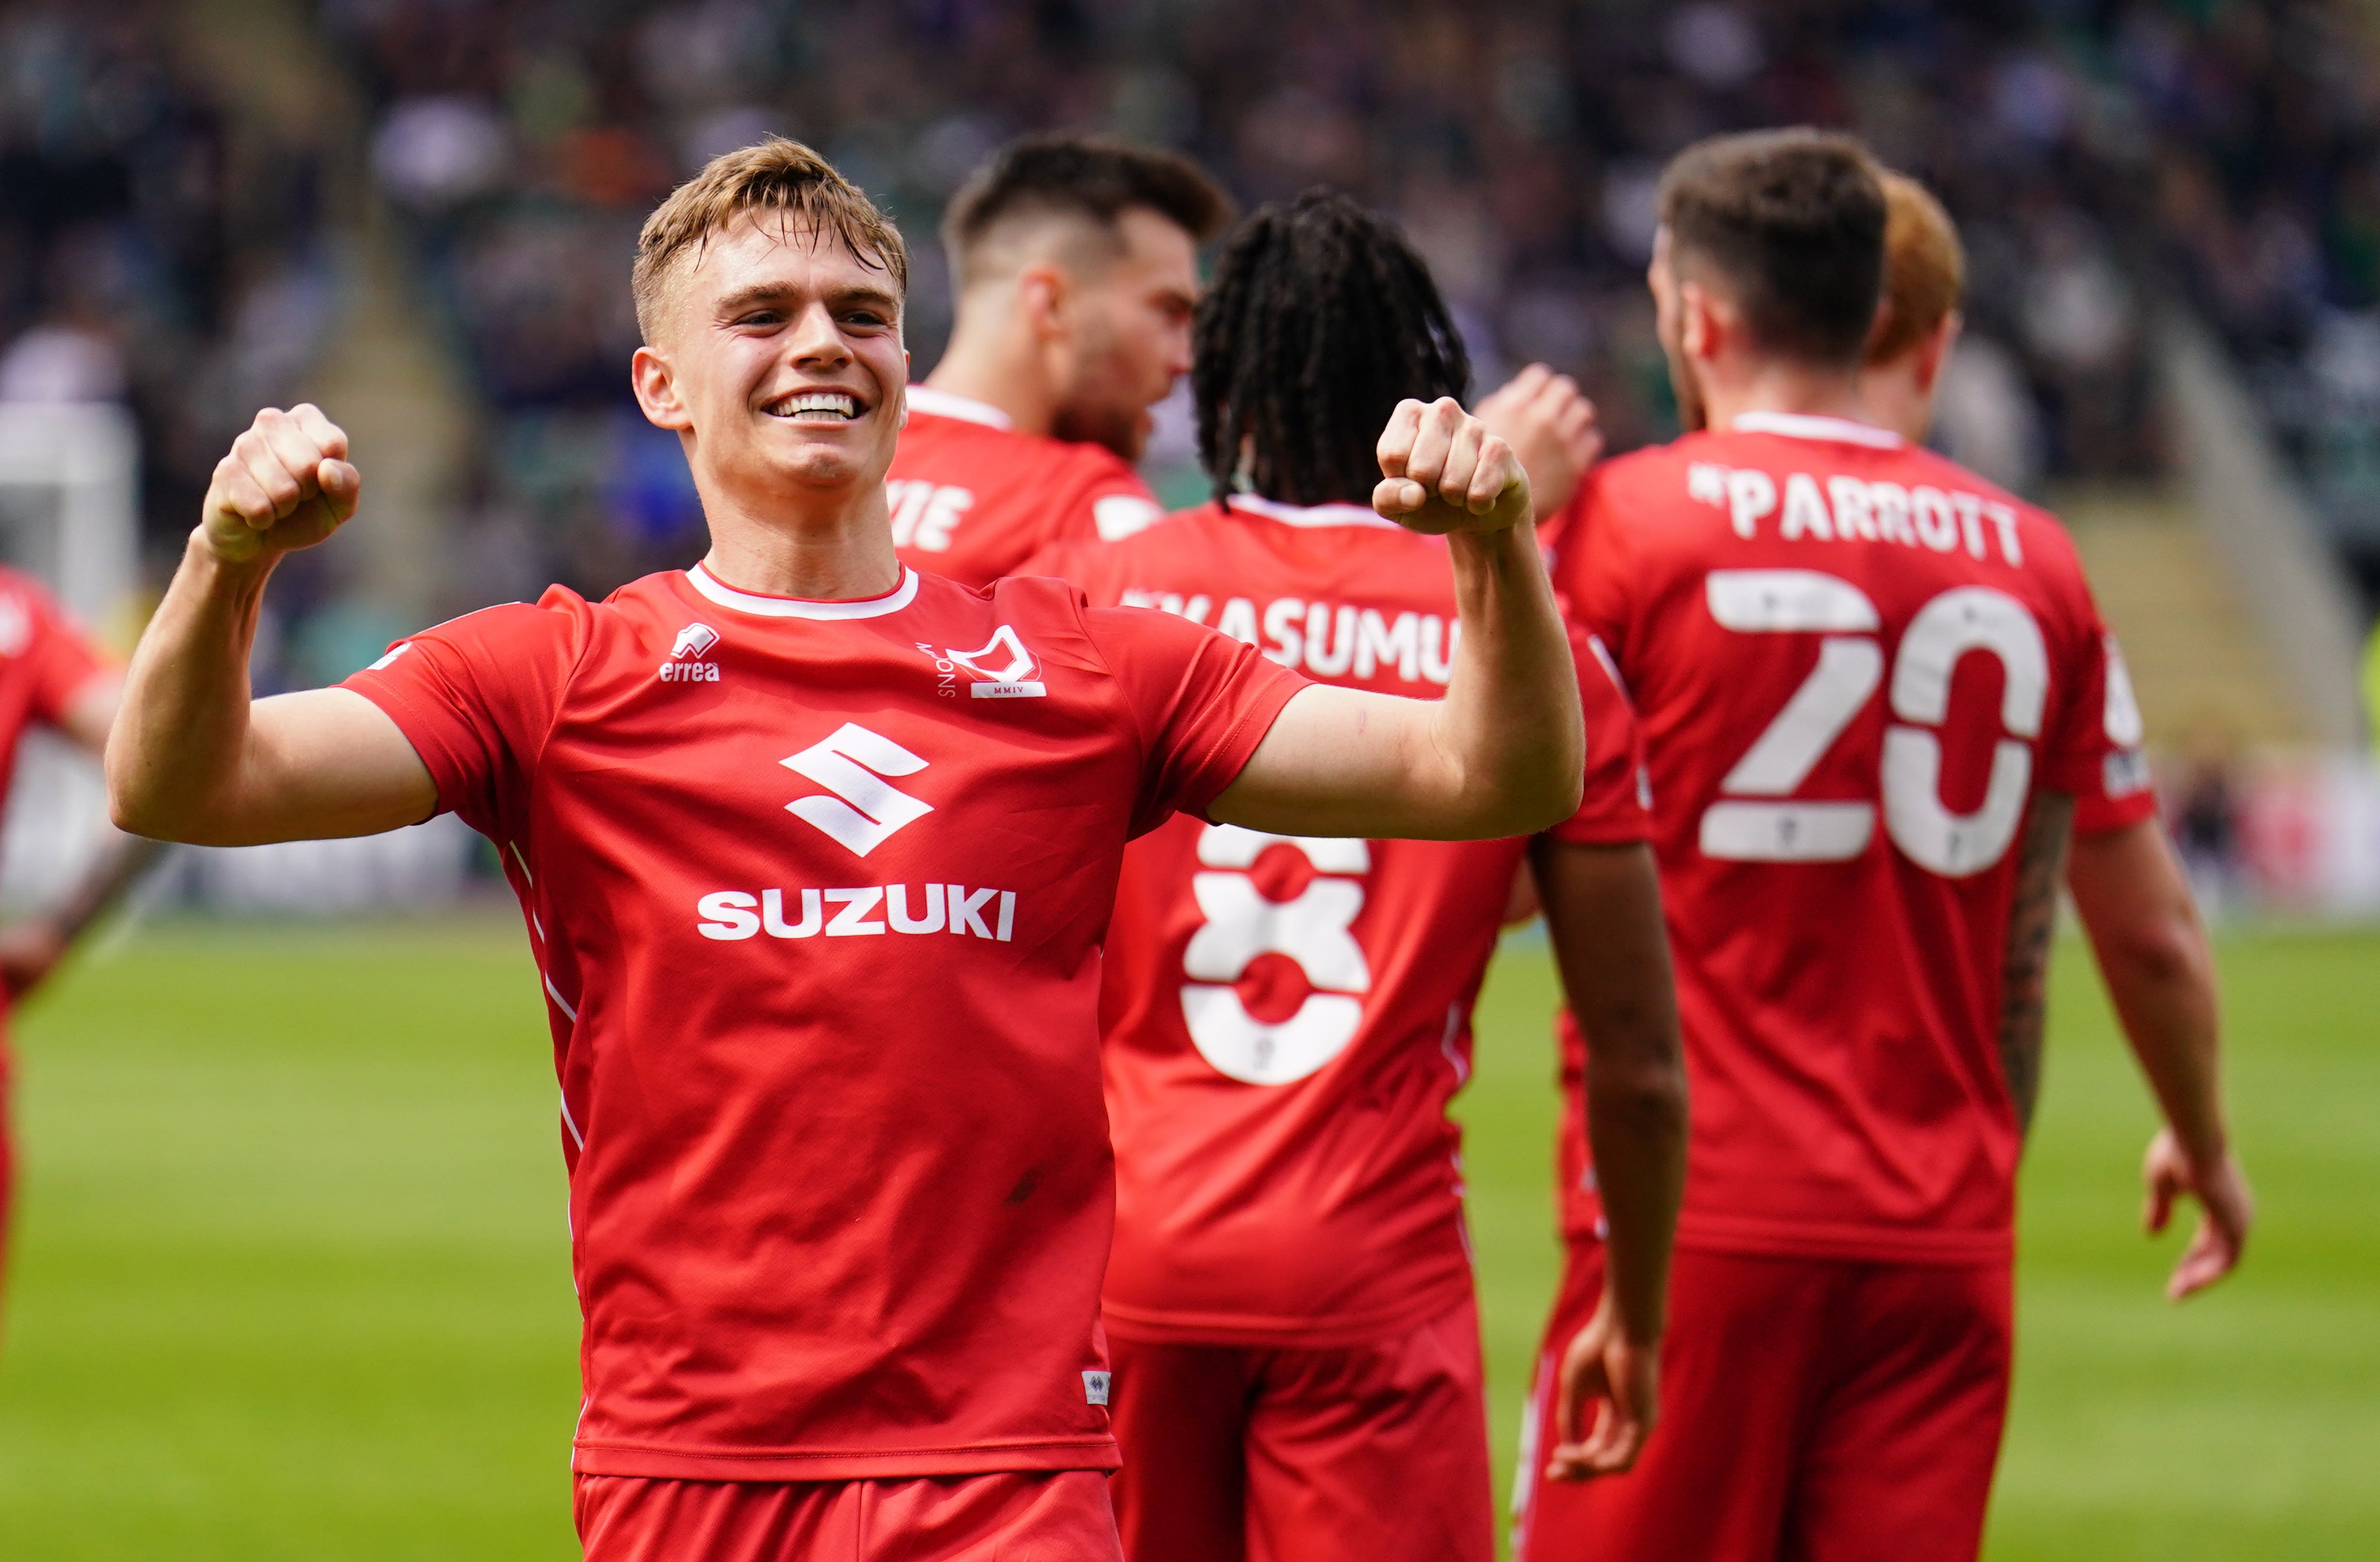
{"points": [[1891, 398], [996, 364], [820, 546], [1782, 387]]}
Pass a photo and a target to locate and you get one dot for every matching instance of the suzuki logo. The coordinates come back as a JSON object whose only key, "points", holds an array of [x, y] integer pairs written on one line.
{"points": [[864, 810], [1010, 679], [693, 640]]}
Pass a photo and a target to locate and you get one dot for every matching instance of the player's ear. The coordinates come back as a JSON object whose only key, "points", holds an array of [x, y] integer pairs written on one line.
{"points": [[1699, 326], [655, 382], [1042, 295]]}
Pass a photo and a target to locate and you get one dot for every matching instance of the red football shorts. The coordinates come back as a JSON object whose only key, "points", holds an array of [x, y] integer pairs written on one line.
{"points": [[1812, 1411], [1060, 1516], [1359, 1453]]}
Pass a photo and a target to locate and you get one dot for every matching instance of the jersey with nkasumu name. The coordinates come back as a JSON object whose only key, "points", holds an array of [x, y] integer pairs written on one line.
{"points": [[817, 890], [1854, 664], [1286, 1019]]}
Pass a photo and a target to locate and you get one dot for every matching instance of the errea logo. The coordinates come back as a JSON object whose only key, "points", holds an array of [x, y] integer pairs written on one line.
{"points": [[865, 810], [685, 665]]}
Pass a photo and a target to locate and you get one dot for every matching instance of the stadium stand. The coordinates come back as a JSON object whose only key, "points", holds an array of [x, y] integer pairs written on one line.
{"points": [[2099, 159]]}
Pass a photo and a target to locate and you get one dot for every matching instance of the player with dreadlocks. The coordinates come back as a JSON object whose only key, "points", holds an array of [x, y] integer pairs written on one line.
{"points": [[1288, 1302]]}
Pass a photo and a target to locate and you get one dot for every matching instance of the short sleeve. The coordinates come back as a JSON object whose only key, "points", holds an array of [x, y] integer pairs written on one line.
{"points": [[2104, 769], [476, 698], [1203, 702], [1076, 562], [1615, 807], [59, 659], [1105, 501]]}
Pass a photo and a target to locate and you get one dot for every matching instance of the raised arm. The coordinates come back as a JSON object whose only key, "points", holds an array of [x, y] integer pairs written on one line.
{"points": [[191, 757], [1551, 427], [1603, 912], [2152, 949], [1502, 754]]}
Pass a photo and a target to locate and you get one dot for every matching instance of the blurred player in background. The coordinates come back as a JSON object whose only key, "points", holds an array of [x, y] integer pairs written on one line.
{"points": [[1075, 266], [51, 676], [1290, 1302], [1873, 689], [2127, 881], [817, 850]]}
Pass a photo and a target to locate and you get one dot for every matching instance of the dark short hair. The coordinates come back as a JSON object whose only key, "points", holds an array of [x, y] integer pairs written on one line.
{"points": [[1792, 223], [1081, 175], [1320, 318]]}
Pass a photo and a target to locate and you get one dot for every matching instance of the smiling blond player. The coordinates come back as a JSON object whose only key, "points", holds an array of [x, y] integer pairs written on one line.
{"points": [[816, 852]]}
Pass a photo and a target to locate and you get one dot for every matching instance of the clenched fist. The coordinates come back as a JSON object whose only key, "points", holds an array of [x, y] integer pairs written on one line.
{"points": [[285, 485], [1551, 426], [1444, 471]]}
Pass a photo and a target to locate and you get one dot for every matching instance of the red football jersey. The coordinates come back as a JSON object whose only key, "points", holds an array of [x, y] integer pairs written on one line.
{"points": [[45, 661], [816, 891], [1853, 663], [972, 499], [1286, 1019]]}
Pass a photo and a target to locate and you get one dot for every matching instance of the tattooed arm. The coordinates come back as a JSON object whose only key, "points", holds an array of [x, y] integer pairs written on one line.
{"points": [[2024, 987], [2153, 951]]}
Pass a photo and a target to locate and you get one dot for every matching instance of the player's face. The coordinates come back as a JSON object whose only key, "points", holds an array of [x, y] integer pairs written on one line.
{"points": [[1132, 336], [1668, 316], [781, 361]]}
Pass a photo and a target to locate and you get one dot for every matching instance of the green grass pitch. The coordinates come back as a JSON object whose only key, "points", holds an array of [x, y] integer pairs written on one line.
{"points": [[289, 1278]]}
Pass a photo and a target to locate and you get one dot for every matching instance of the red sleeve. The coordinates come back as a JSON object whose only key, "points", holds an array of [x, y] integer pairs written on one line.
{"points": [[1203, 702], [1075, 561], [2107, 772], [60, 656], [1104, 501], [1591, 568], [476, 696], [1616, 807]]}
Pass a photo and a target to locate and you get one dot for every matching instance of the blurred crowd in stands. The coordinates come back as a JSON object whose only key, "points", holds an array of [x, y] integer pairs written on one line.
{"points": [[2100, 156], [150, 253]]}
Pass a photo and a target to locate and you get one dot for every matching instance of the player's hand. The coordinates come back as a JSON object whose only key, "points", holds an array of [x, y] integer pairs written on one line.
{"points": [[1444, 471], [285, 485], [29, 951], [1551, 426], [2221, 1190], [1621, 1379]]}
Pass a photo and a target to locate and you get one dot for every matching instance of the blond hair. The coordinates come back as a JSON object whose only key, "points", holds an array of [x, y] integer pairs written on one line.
{"points": [[1925, 268], [775, 175]]}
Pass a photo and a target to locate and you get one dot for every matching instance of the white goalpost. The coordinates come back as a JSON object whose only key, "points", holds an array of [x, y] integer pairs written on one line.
{"points": [[70, 517]]}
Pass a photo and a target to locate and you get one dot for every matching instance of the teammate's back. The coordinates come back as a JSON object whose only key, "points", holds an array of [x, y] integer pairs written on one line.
{"points": [[1855, 664], [1336, 978], [1284, 1019], [1871, 689]]}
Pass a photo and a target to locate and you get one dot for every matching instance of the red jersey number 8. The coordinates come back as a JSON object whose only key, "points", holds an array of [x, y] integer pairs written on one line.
{"points": [[1315, 930], [1758, 823]]}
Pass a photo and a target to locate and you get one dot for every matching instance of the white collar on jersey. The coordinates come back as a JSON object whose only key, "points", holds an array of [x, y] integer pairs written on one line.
{"points": [[726, 596], [950, 404], [1806, 426], [1313, 514]]}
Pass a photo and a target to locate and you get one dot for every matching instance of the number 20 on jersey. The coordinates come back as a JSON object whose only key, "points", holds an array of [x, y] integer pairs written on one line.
{"points": [[1757, 818]]}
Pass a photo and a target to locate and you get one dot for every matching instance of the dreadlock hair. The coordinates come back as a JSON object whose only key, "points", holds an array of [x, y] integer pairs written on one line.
{"points": [[1320, 318]]}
